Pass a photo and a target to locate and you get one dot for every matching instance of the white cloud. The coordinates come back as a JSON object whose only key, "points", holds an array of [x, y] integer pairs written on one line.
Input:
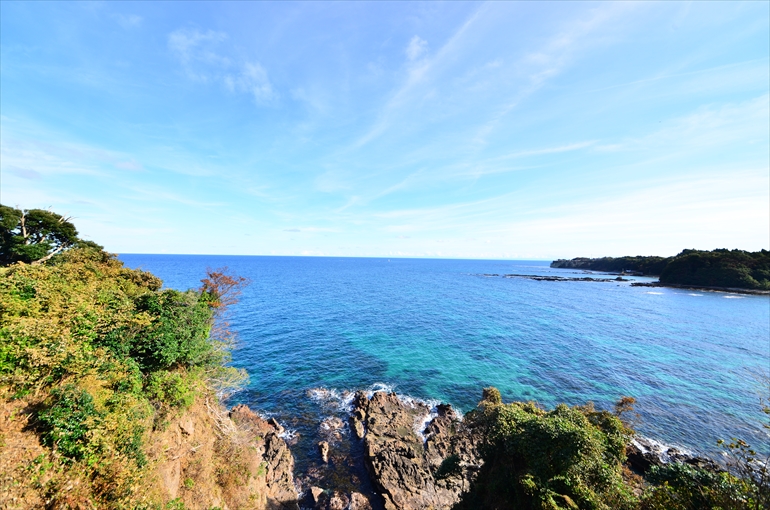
{"points": [[203, 60], [416, 48], [251, 78], [192, 45], [706, 128], [128, 20]]}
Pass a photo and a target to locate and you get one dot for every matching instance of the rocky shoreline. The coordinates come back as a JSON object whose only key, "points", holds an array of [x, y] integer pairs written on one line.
{"points": [[731, 290], [416, 456], [541, 278]]}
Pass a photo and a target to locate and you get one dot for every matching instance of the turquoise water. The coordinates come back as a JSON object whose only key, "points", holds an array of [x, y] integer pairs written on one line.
{"points": [[439, 329]]}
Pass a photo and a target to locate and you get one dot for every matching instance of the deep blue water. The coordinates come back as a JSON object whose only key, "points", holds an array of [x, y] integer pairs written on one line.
{"points": [[438, 329]]}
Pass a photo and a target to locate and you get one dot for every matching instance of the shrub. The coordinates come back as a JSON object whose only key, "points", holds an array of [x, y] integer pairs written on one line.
{"points": [[68, 421], [564, 458], [685, 487], [179, 333], [171, 389]]}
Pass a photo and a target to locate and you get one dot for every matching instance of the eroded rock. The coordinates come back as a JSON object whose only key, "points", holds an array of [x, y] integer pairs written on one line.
{"points": [[401, 465], [323, 448]]}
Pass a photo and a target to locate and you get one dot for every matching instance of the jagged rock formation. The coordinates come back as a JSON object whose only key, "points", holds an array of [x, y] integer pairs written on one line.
{"points": [[407, 470], [643, 453], [276, 458]]}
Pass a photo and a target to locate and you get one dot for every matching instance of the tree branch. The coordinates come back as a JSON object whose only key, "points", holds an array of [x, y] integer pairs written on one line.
{"points": [[24, 227], [47, 257]]}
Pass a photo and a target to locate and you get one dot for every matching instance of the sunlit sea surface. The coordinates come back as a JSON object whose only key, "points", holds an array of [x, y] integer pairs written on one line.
{"points": [[439, 330]]}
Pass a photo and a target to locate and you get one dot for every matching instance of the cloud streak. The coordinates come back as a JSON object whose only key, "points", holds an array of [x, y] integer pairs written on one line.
{"points": [[204, 59]]}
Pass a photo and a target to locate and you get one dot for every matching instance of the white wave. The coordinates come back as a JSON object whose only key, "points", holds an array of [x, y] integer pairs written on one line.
{"points": [[422, 422], [655, 293], [695, 295], [288, 434], [660, 449], [341, 400], [374, 388], [733, 297]]}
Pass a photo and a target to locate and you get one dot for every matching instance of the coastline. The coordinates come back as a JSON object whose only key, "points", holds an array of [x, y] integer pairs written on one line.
{"points": [[402, 441], [730, 290]]}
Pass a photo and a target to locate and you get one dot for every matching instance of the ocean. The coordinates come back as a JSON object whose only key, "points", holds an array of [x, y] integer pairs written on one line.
{"points": [[312, 330]]}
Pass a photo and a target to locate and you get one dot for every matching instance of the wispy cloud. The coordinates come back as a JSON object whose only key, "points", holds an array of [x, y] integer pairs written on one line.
{"points": [[128, 21], [154, 194], [708, 127], [310, 229], [251, 78], [416, 48], [415, 75], [193, 47], [204, 58], [37, 157]]}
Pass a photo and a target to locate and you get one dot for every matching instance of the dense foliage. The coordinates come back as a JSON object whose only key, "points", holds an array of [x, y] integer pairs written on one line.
{"points": [[573, 458], [33, 235], [102, 355], [644, 265], [570, 457], [719, 268]]}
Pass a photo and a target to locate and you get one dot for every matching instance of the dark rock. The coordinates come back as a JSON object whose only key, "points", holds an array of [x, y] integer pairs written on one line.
{"points": [[401, 465], [640, 461], [249, 420], [279, 463], [277, 426], [643, 453], [338, 501], [359, 502], [279, 470]]}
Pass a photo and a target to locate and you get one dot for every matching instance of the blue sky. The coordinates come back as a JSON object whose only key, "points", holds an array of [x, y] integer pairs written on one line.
{"points": [[474, 130]]}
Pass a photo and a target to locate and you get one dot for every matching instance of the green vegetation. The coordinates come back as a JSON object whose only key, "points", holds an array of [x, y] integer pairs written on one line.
{"points": [[680, 486], [717, 268], [98, 354], [564, 458], [645, 265], [34, 235], [574, 458]]}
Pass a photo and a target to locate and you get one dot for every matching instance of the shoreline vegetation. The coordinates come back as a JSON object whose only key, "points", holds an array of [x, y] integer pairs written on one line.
{"points": [[111, 392], [717, 270]]}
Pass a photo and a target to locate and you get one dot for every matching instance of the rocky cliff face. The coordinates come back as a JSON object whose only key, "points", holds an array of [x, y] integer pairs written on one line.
{"points": [[415, 469], [208, 458]]}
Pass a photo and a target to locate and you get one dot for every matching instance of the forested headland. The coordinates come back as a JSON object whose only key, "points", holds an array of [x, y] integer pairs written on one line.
{"points": [[717, 268]]}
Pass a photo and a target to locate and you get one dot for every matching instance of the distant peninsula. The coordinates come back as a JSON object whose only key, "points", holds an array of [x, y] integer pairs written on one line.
{"points": [[719, 269]]}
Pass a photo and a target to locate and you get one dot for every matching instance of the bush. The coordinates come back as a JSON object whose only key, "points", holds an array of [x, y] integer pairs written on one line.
{"points": [[179, 333], [171, 389], [685, 487], [564, 458], [68, 421]]}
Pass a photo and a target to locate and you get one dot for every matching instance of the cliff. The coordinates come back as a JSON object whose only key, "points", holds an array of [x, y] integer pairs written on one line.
{"points": [[108, 391]]}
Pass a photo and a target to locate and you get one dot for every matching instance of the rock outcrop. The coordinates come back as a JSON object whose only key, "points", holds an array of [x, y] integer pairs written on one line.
{"points": [[277, 461], [642, 454], [405, 464]]}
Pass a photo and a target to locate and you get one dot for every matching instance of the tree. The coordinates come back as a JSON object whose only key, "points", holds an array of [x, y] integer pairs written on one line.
{"points": [[33, 235]]}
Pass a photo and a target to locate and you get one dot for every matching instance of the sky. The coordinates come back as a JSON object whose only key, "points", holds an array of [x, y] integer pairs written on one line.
{"points": [[521, 130]]}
